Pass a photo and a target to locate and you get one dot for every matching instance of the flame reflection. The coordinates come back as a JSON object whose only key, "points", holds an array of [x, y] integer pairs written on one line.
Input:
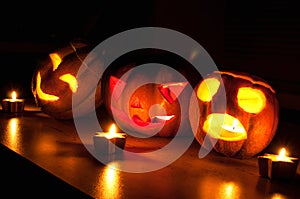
{"points": [[109, 183], [14, 95], [229, 190], [278, 196], [213, 187], [12, 127]]}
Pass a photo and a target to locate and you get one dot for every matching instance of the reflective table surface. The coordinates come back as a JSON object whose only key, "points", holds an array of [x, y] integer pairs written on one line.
{"points": [[55, 149]]}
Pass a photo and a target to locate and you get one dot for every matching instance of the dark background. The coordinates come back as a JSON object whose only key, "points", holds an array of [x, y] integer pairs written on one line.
{"points": [[261, 37], [258, 37]]}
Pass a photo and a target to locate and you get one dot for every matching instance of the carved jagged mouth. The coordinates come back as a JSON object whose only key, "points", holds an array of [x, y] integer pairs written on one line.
{"points": [[137, 123], [156, 119], [162, 118], [137, 120]]}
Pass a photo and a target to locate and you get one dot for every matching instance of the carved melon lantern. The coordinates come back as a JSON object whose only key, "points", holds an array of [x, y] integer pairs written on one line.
{"points": [[55, 80], [250, 120]]}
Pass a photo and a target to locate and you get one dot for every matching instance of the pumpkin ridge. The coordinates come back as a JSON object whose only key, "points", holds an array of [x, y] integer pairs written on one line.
{"points": [[259, 82]]}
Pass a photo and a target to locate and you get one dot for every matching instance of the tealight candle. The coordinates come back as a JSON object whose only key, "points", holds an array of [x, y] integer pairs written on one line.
{"points": [[107, 143], [13, 105], [277, 166], [233, 131]]}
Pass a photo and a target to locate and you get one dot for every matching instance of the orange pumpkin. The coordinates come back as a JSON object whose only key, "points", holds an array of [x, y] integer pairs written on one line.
{"points": [[146, 93], [55, 81], [250, 120], [149, 109]]}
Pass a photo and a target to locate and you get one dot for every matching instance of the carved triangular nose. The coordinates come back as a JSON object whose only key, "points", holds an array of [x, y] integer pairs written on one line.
{"points": [[171, 91]]}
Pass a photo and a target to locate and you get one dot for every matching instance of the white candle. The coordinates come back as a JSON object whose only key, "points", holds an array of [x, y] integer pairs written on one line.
{"points": [[232, 132], [13, 105], [107, 142], [234, 128], [277, 166], [282, 156]]}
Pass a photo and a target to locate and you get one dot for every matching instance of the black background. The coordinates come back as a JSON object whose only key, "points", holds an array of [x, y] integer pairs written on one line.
{"points": [[258, 37]]}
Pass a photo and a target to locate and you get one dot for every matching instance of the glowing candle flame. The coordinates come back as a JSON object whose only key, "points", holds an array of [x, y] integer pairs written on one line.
{"points": [[282, 156], [234, 123], [112, 132], [282, 153], [14, 95]]}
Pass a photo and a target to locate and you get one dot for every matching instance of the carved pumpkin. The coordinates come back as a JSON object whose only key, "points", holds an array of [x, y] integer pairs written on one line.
{"points": [[55, 81], [250, 120], [146, 100]]}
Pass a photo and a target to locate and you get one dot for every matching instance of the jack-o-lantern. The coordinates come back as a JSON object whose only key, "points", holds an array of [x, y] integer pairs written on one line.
{"points": [[55, 80], [147, 99], [150, 109], [248, 121]]}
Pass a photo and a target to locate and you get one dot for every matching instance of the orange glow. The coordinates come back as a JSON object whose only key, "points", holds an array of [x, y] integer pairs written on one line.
{"points": [[109, 183], [282, 153], [112, 133], [68, 78], [14, 95], [251, 100], [235, 123], [213, 187], [207, 89], [40, 93], [224, 127], [56, 60], [229, 190], [12, 127], [278, 196], [71, 80], [282, 156]]}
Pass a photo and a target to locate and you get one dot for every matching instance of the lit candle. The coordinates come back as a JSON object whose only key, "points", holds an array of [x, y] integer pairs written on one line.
{"points": [[13, 105], [233, 131], [277, 166], [106, 143]]}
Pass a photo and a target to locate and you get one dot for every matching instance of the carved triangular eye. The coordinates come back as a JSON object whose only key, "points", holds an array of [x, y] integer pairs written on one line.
{"points": [[116, 86], [171, 91], [55, 59]]}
